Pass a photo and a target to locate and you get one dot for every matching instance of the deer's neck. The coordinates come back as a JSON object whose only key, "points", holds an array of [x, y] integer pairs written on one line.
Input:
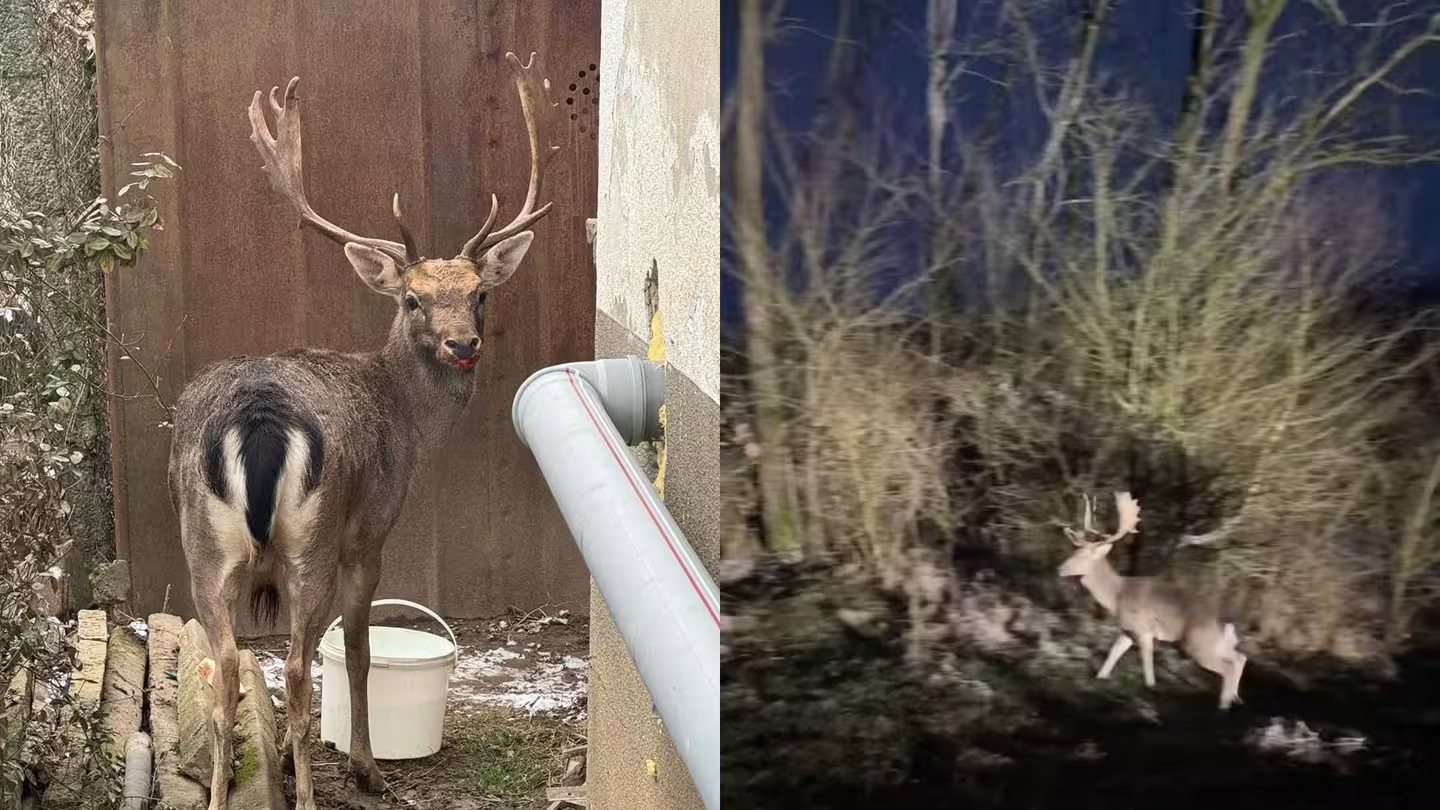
{"points": [[430, 395], [1104, 583]]}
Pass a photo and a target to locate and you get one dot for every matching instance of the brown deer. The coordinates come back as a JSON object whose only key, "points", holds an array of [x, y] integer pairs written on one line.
{"points": [[290, 470], [1150, 609]]}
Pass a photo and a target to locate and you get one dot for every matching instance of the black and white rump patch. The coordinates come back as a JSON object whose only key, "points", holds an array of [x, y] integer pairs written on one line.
{"points": [[263, 427]]}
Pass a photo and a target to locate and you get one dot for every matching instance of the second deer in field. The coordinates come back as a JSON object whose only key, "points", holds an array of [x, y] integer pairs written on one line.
{"points": [[289, 471], [1150, 609]]}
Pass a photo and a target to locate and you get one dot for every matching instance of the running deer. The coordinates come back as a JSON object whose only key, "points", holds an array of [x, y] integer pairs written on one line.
{"points": [[1150, 609], [289, 471]]}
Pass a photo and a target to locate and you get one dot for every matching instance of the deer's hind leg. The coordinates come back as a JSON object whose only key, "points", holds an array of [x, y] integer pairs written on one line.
{"points": [[215, 591], [1215, 651], [310, 588]]}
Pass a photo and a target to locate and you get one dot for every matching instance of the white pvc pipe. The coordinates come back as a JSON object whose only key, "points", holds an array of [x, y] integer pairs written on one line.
{"points": [[139, 759], [662, 599]]}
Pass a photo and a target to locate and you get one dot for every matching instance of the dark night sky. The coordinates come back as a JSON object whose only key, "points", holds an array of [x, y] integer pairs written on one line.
{"points": [[1146, 45]]}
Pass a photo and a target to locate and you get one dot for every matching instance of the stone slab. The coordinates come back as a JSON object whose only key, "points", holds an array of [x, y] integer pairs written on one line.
{"points": [[258, 779], [122, 694], [194, 702], [91, 641]]}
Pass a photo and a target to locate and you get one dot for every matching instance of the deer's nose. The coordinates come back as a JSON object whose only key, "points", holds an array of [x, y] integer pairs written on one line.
{"points": [[463, 349]]}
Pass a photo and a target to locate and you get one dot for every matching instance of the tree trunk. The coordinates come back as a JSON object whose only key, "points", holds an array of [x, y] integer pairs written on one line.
{"points": [[1261, 15], [941, 17], [761, 285]]}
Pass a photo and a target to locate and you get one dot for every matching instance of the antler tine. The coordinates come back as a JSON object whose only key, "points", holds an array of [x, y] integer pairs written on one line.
{"points": [[1127, 510], [282, 155], [1089, 522], [536, 104], [412, 255]]}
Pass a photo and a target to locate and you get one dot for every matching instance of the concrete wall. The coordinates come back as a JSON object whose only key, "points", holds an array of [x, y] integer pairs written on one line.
{"points": [[657, 257]]}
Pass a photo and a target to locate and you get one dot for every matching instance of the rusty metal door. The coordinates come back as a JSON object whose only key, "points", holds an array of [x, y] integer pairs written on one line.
{"points": [[413, 97]]}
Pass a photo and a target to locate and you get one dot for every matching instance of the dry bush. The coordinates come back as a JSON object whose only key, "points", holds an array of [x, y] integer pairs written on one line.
{"points": [[56, 242]]}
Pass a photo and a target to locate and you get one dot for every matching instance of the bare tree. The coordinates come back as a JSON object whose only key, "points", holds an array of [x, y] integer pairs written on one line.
{"points": [[760, 279]]}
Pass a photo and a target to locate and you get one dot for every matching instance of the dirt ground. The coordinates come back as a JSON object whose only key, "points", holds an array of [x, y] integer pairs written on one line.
{"points": [[514, 725], [820, 712]]}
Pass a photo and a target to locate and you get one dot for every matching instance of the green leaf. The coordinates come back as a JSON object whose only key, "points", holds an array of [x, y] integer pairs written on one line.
{"points": [[109, 230], [121, 251], [151, 216]]}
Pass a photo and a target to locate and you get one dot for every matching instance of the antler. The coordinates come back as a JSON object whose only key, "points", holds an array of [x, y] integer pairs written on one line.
{"points": [[1128, 510], [1126, 507], [282, 156], [535, 101]]}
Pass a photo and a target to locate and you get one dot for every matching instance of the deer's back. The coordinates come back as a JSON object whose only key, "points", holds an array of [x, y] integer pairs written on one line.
{"points": [[1164, 608]]}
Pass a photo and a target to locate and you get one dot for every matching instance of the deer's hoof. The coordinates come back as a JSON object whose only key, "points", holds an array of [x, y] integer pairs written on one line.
{"points": [[368, 777], [287, 760]]}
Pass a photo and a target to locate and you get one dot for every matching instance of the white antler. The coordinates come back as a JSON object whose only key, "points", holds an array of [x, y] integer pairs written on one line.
{"points": [[1128, 510]]}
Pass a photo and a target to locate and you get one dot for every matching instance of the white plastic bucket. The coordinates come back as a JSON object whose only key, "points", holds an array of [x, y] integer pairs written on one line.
{"points": [[409, 673]]}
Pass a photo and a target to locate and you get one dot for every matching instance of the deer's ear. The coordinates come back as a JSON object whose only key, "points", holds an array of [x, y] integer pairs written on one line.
{"points": [[376, 269], [500, 262]]}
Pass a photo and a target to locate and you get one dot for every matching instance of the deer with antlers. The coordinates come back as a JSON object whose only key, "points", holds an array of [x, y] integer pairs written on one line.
{"points": [[1150, 609], [290, 470]]}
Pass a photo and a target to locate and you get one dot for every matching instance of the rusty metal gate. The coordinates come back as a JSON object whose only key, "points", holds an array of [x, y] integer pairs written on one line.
{"points": [[413, 97]]}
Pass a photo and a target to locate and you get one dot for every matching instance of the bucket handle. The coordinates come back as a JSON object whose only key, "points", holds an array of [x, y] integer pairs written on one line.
{"points": [[454, 643]]}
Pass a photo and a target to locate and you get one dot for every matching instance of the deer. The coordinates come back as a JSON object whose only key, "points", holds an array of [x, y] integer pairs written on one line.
{"points": [[1150, 609], [290, 470]]}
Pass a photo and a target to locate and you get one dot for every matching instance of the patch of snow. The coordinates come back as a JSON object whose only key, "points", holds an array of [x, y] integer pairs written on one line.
{"points": [[274, 669], [522, 677], [540, 685], [549, 688], [1295, 739], [58, 683], [140, 628], [485, 663]]}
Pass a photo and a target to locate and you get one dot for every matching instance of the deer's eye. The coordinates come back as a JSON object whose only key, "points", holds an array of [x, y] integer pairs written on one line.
{"points": [[412, 303]]}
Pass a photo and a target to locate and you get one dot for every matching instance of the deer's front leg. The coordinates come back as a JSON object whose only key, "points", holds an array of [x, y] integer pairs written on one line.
{"points": [[360, 582], [1121, 645], [1147, 658]]}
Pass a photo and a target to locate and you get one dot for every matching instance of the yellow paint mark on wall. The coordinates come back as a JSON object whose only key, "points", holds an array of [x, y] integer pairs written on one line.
{"points": [[657, 355], [657, 339]]}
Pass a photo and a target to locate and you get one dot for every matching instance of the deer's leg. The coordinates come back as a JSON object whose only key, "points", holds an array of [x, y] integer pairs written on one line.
{"points": [[1147, 657], [215, 598], [1121, 645], [310, 598], [360, 580], [1230, 685]]}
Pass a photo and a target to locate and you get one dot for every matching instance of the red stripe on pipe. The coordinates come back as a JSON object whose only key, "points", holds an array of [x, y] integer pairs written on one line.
{"points": [[660, 527]]}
